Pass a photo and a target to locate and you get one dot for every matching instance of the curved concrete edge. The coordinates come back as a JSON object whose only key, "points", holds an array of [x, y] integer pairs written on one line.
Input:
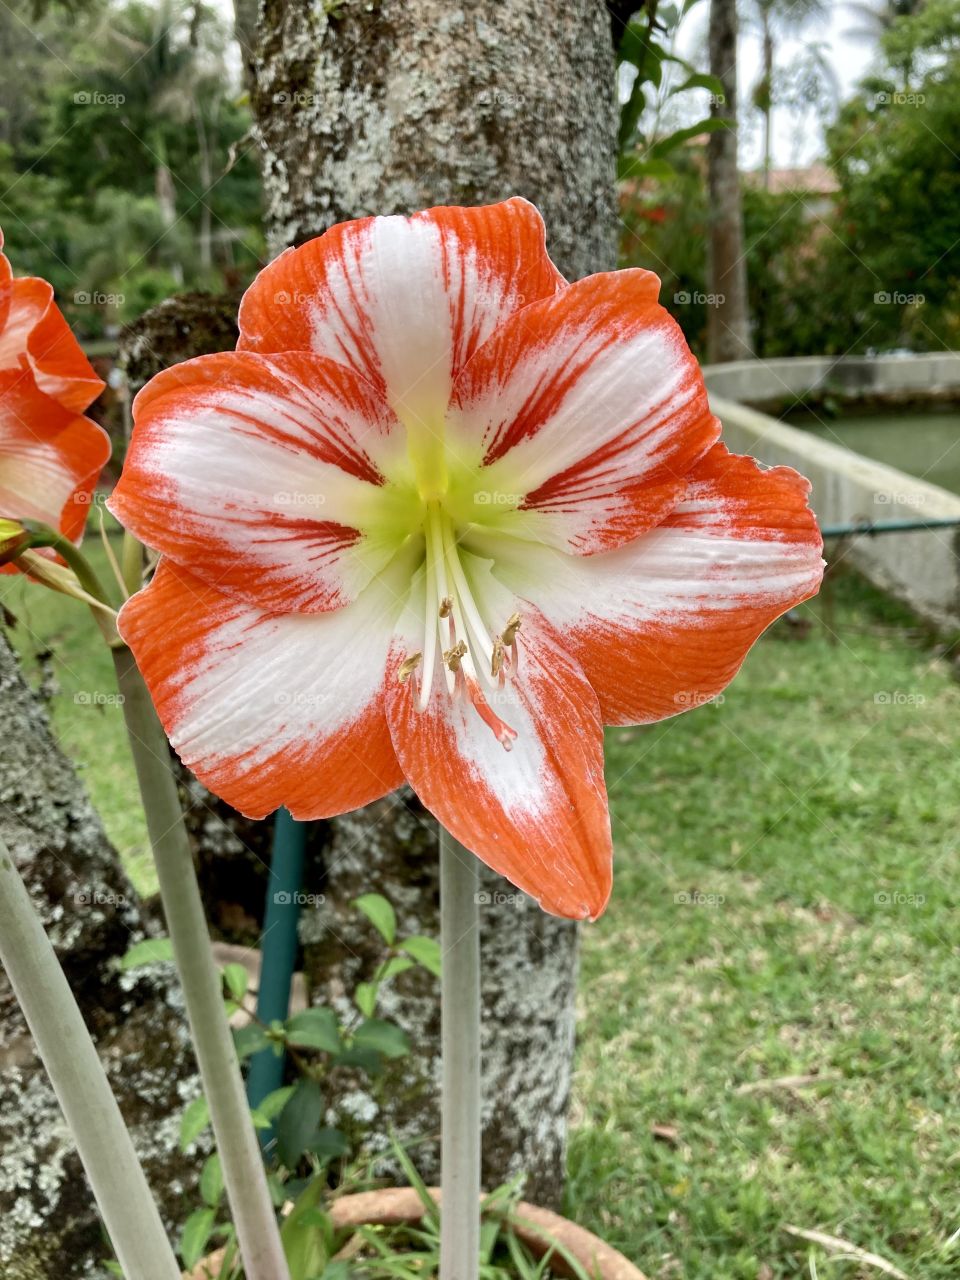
{"points": [[787, 378], [922, 568]]}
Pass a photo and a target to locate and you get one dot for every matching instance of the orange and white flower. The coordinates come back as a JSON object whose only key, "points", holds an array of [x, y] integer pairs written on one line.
{"points": [[439, 503], [50, 454]]}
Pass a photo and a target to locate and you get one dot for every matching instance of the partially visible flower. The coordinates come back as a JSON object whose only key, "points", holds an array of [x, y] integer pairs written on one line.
{"points": [[50, 454], [437, 504]]}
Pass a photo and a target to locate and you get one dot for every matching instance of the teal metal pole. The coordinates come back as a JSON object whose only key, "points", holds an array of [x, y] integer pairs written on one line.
{"points": [[278, 950]]}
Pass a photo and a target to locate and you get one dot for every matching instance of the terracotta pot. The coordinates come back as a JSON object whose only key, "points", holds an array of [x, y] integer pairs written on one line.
{"points": [[539, 1229]]}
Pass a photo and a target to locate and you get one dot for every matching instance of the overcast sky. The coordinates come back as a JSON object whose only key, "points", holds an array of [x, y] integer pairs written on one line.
{"points": [[797, 140]]}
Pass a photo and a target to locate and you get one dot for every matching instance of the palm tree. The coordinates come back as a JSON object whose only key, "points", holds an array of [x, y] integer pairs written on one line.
{"points": [[728, 320], [777, 18], [875, 19]]}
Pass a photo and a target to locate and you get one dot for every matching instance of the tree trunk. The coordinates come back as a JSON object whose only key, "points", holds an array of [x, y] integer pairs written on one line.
{"points": [[728, 321], [388, 107], [48, 1221]]}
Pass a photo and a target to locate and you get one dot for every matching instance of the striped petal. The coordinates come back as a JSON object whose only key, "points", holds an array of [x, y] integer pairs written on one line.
{"points": [[537, 813], [663, 624], [261, 475], [50, 458], [34, 334], [588, 411], [268, 709], [405, 302]]}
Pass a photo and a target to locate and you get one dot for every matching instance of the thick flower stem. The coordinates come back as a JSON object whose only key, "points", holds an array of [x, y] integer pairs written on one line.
{"points": [[80, 1083], [253, 1214], [460, 1042]]}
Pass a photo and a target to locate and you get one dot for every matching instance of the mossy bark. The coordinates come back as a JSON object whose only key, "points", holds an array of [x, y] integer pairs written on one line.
{"points": [[48, 1222]]}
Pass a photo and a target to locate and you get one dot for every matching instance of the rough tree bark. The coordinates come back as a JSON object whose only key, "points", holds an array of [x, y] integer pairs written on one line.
{"points": [[728, 318], [387, 106], [48, 1223]]}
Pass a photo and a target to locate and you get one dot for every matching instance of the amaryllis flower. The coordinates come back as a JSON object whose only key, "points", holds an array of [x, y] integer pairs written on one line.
{"points": [[50, 454], [441, 516]]}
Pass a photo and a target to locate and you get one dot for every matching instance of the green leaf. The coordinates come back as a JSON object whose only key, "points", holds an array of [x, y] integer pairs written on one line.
{"points": [[196, 1236], [305, 1234], [390, 968], [250, 1039], [426, 951], [710, 124], [700, 80], [380, 914], [362, 1057], [235, 978], [632, 166], [273, 1103], [195, 1120], [413, 1177], [329, 1144], [298, 1122], [366, 998], [150, 951], [386, 1037], [314, 1029], [211, 1181]]}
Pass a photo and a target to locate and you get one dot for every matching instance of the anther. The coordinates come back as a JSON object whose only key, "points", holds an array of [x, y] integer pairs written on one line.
{"points": [[498, 656], [452, 657], [446, 606], [509, 633], [408, 666]]}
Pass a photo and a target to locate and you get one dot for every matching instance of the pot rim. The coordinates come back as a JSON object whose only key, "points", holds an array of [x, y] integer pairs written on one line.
{"points": [[539, 1229]]}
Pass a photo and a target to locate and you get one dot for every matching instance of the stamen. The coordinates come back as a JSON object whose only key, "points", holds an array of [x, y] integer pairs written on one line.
{"points": [[453, 657], [502, 731], [509, 632], [446, 606], [497, 657], [408, 666]]}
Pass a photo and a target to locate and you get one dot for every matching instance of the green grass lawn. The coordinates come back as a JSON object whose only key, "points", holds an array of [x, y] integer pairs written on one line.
{"points": [[784, 906]]}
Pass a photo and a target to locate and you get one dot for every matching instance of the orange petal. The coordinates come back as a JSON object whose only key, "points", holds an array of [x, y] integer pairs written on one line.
{"points": [[267, 709], [404, 301], [537, 813], [591, 408], [252, 470]]}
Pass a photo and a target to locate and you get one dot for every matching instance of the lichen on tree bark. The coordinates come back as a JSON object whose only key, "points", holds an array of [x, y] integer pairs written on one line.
{"points": [[48, 1222]]}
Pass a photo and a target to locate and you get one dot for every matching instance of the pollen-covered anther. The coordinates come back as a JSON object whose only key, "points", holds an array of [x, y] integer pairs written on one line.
{"points": [[497, 657], [453, 657], [446, 607], [509, 633], [408, 666]]}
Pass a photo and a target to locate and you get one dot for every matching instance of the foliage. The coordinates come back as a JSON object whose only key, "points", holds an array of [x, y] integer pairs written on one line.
{"points": [[116, 157]]}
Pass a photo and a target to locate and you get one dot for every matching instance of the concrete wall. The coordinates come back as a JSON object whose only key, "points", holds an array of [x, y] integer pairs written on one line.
{"points": [[921, 568], [785, 379]]}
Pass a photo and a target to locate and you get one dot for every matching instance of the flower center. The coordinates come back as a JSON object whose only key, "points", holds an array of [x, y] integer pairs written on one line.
{"points": [[455, 633]]}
